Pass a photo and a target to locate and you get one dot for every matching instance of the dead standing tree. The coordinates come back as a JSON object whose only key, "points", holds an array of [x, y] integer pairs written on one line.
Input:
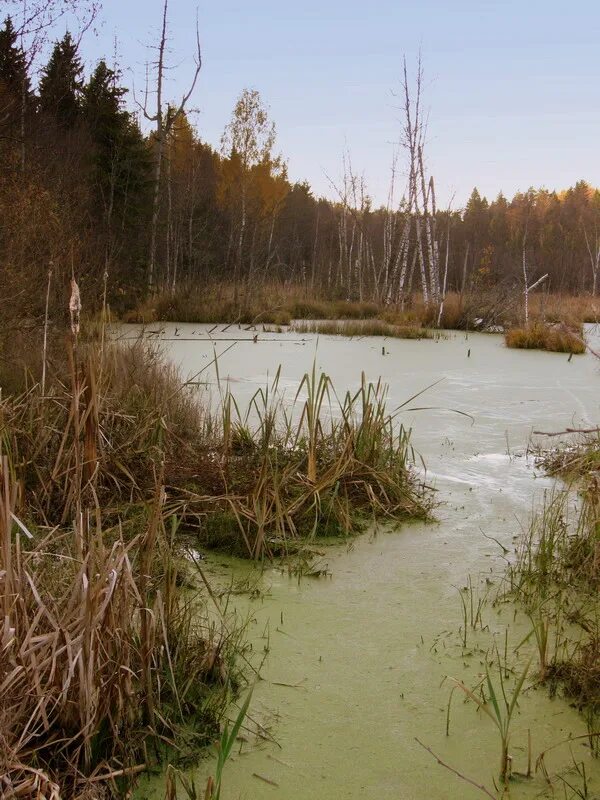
{"points": [[421, 205], [355, 251], [415, 240], [593, 249], [409, 231], [527, 288], [163, 119]]}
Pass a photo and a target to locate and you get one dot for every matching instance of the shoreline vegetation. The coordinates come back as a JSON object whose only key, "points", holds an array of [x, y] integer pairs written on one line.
{"points": [[554, 322], [556, 577], [555, 338], [110, 663]]}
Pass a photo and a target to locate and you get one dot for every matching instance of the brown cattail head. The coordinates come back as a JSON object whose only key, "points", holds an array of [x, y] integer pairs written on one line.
{"points": [[75, 307]]}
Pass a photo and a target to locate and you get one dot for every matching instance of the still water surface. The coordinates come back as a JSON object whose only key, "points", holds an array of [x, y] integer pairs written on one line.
{"points": [[357, 660]]}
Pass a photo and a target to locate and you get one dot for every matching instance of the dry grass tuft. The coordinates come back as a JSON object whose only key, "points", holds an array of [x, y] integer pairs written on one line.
{"points": [[373, 327], [100, 666], [554, 338]]}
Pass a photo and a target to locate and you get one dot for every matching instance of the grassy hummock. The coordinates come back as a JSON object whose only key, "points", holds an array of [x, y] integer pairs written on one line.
{"points": [[541, 336], [273, 477], [374, 327]]}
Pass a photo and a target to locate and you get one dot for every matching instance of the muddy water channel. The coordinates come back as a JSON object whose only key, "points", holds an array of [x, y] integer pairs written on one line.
{"points": [[356, 663]]}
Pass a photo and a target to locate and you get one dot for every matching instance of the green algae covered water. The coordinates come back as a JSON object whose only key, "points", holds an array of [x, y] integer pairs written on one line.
{"points": [[357, 660]]}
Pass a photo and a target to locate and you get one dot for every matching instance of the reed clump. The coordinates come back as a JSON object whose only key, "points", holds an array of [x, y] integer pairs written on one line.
{"points": [[279, 476], [373, 327], [541, 336], [105, 666], [556, 578], [102, 430]]}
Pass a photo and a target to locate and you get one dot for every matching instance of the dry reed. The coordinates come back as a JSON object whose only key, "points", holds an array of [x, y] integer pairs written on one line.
{"points": [[554, 338], [104, 664], [279, 304], [374, 327]]}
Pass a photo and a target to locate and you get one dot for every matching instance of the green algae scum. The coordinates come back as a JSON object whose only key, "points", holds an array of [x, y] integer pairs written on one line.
{"points": [[397, 664]]}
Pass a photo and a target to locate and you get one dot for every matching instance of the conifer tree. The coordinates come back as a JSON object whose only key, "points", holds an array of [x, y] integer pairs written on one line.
{"points": [[14, 82], [61, 83], [119, 158]]}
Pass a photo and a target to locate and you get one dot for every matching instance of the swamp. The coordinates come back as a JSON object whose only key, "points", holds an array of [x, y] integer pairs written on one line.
{"points": [[299, 425], [362, 648]]}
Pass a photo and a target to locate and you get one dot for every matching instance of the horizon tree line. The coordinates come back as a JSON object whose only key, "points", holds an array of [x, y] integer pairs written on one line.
{"points": [[85, 189]]}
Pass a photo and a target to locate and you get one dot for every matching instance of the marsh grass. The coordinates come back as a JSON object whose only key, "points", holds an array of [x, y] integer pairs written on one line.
{"points": [[556, 577], [106, 666], [542, 336], [212, 790], [323, 467], [279, 304], [276, 304], [374, 327], [497, 704]]}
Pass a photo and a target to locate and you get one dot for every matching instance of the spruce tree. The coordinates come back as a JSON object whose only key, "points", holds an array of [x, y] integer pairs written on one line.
{"points": [[119, 171], [120, 157], [61, 83], [14, 82]]}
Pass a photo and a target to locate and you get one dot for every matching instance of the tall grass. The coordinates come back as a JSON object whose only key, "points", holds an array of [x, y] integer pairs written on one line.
{"points": [[101, 666], [556, 578], [540, 336], [373, 327], [105, 665], [281, 303], [325, 467]]}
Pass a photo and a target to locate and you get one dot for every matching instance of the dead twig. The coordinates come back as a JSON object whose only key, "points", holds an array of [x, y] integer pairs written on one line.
{"points": [[458, 774]]}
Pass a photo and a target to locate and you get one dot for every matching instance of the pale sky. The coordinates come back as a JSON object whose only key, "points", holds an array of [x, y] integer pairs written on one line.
{"points": [[512, 86]]}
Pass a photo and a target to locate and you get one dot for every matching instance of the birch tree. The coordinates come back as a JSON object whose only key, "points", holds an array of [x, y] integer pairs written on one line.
{"points": [[592, 243], [250, 165], [163, 118]]}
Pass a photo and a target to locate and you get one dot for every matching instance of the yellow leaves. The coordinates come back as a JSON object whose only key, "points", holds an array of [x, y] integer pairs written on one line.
{"points": [[181, 144], [264, 186]]}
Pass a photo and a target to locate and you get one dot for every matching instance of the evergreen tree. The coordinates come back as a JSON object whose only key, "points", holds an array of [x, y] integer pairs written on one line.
{"points": [[120, 168], [120, 156], [14, 82], [61, 83]]}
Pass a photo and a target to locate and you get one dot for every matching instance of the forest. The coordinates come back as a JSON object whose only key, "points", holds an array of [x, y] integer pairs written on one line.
{"points": [[133, 201]]}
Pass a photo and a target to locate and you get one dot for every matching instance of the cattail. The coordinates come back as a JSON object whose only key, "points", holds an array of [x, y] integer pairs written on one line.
{"points": [[75, 307], [45, 346]]}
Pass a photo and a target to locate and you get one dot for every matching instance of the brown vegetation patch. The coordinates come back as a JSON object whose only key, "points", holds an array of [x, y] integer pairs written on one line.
{"points": [[374, 327], [554, 338]]}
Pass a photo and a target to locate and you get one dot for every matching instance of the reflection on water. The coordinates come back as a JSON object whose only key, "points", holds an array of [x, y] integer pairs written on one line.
{"points": [[356, 661]]}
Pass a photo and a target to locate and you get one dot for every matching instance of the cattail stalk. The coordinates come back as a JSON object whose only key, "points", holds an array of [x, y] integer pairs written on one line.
{"points": [[45, 347]]}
